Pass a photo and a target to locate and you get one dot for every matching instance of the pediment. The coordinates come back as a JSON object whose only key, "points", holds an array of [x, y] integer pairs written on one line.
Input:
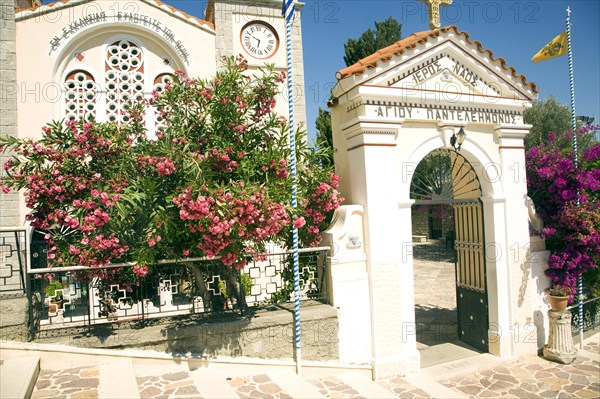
{"points": [[443, 61], [444, 73]]}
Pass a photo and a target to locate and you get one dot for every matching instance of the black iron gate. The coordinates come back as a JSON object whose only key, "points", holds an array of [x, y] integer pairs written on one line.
{"points": [[471, 292], [446, 177]]}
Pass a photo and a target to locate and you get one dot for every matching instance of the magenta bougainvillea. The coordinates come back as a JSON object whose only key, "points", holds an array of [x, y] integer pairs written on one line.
{"points": [[567, 198], [214, 182]]}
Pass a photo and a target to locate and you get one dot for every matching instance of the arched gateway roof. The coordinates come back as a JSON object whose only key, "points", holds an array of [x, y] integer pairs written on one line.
{"points": [[385, 54]]}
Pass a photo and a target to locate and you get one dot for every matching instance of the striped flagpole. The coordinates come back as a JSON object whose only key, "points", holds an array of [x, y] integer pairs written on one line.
{"points": [[576, 156], [288, 12]]}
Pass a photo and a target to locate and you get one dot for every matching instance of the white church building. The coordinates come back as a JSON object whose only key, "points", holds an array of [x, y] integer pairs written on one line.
{"points": [[75, 58], [436, 97]]}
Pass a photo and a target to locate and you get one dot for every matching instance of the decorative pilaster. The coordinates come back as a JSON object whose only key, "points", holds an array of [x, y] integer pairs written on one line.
{"points": [[9, 202], [560, 346]]}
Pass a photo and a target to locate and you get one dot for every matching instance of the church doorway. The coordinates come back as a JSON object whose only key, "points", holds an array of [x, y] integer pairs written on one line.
{"points": [[451, 309]]}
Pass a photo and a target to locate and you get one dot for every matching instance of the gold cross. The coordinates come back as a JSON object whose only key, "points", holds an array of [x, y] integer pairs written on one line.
{"points": [[434, 11]]}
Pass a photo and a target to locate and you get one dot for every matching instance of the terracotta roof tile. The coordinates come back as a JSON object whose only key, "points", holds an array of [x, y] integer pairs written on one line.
{"points": [[49, 5], [410, 42], [188, 16], [157, 2]]}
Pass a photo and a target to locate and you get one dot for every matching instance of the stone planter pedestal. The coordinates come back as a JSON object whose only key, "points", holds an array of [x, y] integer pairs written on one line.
{"points": [[560, 346]]}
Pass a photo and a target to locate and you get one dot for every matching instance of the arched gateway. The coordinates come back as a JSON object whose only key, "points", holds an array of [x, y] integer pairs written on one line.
{"points": [[390, 110], [445, 177]]}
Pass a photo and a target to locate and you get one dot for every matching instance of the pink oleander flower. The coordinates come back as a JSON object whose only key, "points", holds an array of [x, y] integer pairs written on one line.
{"points": [[299, 222], [140, 270]]}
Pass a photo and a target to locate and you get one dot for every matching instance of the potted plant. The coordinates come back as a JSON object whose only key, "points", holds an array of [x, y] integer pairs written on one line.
{"points": [[559, 296], [54, 295]]}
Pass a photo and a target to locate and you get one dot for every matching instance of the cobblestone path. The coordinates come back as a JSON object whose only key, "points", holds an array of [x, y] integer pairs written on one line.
{"points": [[535, 377]]}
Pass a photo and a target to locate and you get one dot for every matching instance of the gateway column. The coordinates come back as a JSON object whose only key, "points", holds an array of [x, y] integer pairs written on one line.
{"points": [[375, 175], [522, 268]]}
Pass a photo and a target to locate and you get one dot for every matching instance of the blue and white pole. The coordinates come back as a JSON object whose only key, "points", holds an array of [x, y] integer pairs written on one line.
{"points": [[288, 12], [576, 161]]}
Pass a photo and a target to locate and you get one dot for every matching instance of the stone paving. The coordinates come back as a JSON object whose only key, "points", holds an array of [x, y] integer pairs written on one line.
{"points": [[258, 386], [333, 387], [403, 389], [535, 377], [529, 377], [171, 385], [73, 383], [435, 309]]}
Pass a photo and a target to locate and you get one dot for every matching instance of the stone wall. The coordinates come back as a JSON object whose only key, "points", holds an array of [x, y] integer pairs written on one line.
{"points": [[9, 203], [420, 222], [423, 221], [267, 333], [14, 318]]}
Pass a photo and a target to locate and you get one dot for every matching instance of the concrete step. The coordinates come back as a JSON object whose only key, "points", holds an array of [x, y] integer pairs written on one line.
{"points": [[18, 376], [365, 386], [295, 386], [349, 385], [117, 381], [210, 383]]}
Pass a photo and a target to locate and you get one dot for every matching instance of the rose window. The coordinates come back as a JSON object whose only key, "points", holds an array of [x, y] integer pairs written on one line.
{"points": [[80, 95], [124, 78]]}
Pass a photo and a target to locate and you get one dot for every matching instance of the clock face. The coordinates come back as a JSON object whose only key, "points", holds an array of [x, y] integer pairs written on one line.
{"points": [[259, 40]]}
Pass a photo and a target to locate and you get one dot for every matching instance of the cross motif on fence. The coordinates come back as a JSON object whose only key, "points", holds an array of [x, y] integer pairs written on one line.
{"points": [[5, 255], [123, 301], [213, 285], [434, 11]]}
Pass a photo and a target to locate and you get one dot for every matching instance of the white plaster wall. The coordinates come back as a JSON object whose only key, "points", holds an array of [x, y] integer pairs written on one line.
{"points": [[39, 81], [348, 283], [42, 68]]}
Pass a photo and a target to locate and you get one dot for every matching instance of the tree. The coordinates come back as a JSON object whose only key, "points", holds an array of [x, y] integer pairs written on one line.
{"points": [[550, 116], [325, 135], [385, 34]]}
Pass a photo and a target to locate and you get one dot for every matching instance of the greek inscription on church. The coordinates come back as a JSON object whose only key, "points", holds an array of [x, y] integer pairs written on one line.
{"points": [[477, 116], [464, 73], [427, 71], [69, 30], [128, 17], [434, 67], [393, 111], [471, 116]]}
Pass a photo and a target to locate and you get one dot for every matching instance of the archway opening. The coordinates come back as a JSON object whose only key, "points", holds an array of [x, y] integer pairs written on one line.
{"points": [[448, 259]]}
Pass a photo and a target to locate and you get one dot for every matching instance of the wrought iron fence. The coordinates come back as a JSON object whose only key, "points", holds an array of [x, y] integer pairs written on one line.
{"points": [[591, 315], [173, 288], [13, 259]]}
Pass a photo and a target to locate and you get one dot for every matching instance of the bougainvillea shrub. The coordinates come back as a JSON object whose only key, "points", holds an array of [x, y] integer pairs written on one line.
{"points": [[567, 197]]}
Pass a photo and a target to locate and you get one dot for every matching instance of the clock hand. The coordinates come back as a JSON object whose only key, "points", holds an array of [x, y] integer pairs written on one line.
{"points": [[257, 39]]}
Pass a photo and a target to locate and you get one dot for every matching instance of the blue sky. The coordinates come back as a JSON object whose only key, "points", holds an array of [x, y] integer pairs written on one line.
{"points": [[514, 30]]}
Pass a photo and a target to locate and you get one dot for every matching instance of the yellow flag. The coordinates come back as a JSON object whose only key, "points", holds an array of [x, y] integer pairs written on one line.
{"points": [[556, 48]]}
